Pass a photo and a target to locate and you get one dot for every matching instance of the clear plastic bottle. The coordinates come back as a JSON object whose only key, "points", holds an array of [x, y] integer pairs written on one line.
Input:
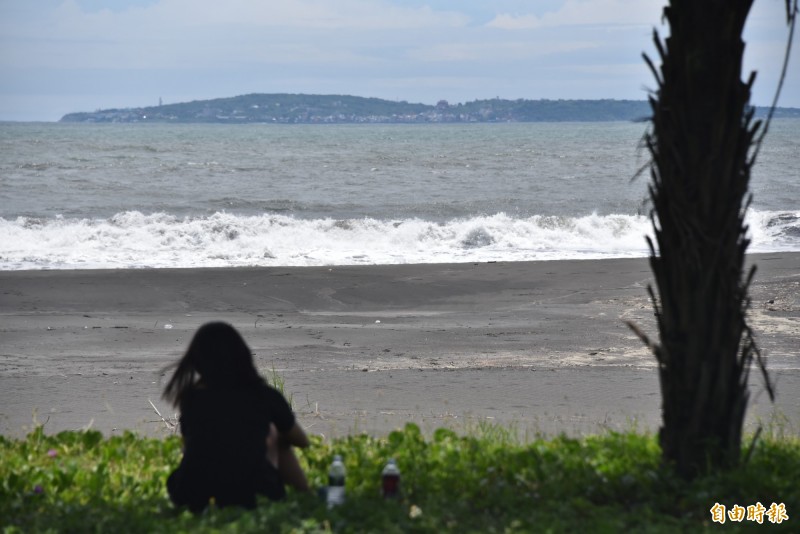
{"points": [[390, 480], [336, 475]]}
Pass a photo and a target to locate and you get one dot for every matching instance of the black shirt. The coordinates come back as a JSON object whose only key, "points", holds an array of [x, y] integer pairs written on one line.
{"points": [[224, 457]]}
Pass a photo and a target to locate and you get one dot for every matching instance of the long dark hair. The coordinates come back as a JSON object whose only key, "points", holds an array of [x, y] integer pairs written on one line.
{"points": [[217, 357]]}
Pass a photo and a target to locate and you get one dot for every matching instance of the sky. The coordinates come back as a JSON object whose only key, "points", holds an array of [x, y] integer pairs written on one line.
{"points": [[62, 56]]}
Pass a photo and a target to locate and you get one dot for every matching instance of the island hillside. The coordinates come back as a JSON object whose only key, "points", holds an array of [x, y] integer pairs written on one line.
{"points": [[312, 109]]}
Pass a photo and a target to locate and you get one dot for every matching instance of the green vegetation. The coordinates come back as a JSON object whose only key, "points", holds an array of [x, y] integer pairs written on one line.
{"points": [[487, 482]]}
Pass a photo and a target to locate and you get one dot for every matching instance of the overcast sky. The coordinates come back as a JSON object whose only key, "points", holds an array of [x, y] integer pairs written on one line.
{"points": [[60, 56]]}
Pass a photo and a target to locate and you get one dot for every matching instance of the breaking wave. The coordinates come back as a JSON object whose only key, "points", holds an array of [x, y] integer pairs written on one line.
{"points": [[136, 240]]}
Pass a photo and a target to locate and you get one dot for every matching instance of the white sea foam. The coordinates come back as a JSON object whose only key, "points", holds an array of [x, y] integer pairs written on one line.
{"points": [[135, 240]]}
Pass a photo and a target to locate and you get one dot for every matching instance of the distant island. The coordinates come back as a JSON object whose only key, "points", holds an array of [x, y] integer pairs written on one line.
{"points": [[340, 109]]}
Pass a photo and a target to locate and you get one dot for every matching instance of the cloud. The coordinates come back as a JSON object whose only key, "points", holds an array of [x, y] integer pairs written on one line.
{"points": [[584, 13], [186, 33], [307, 14], [497, 51], [504, 21]]}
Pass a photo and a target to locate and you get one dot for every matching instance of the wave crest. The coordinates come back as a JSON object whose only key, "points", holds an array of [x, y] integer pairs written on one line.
{"points": [[135, 240]]}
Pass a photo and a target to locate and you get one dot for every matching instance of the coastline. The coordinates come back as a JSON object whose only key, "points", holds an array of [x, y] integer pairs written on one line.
{"points": [[539, 346]]}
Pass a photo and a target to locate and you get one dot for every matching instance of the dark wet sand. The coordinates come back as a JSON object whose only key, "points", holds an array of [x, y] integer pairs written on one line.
{"points": [[540, 346]]}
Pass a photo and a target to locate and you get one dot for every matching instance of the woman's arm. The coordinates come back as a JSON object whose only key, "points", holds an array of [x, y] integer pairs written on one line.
{"points": [[282, 456], [282, 416], [295, 436]]}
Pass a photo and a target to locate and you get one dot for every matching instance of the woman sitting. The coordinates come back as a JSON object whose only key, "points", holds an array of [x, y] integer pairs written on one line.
{"points": [[237, 430]]}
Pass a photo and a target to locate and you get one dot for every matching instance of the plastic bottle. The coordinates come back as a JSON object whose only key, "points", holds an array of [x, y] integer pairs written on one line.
{"points": [[336, 475], [390, 480]]}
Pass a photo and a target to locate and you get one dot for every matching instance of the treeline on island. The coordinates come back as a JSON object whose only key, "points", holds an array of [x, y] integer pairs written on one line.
{"points": [[313, 109]]}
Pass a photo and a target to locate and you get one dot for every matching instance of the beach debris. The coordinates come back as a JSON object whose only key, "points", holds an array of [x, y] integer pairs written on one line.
{"points": [[170, 425]]}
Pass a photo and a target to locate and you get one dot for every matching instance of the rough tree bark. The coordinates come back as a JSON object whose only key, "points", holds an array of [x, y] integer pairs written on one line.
{"points": [[701, 142]]}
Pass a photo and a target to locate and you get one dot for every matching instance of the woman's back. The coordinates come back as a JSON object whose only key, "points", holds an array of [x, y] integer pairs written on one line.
{"points": [[227, 412], [225, 432]]}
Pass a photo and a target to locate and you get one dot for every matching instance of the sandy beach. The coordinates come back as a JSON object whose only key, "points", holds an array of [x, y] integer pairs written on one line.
{"points": [[541, 346]]}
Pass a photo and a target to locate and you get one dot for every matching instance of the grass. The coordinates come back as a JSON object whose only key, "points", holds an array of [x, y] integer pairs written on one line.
{"points": [[487, 482]]}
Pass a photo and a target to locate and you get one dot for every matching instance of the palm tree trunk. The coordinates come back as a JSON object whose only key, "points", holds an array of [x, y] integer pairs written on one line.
{"points": [[700, 142]]}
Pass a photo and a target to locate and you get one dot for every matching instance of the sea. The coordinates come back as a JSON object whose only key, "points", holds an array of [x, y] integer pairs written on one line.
{"points": [[129, 196]]}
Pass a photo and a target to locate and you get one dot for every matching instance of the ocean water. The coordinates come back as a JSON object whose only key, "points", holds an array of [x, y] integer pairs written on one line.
{"points": [[78, 196]]}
